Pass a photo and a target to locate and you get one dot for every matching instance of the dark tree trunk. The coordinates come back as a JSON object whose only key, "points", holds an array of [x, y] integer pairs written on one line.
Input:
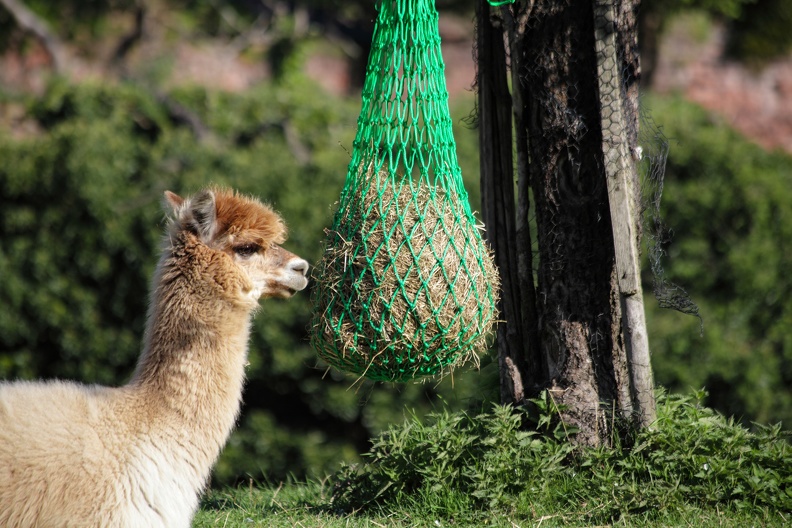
{"points": [[650, 25], [578, 350], [578, 307], [497, 196]]}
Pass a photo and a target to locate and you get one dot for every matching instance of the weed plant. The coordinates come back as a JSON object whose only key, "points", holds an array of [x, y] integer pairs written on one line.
{"points": [[521, 462]]}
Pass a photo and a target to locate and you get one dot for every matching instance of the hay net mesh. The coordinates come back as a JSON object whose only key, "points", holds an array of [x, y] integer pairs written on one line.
{"points": [[406, 287]]}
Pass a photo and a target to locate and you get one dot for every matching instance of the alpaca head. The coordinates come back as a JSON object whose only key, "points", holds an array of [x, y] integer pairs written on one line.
{"points": [[248, 233]]}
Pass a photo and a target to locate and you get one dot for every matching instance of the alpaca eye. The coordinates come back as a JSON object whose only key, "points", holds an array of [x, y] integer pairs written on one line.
{"points": [[247, 250]]}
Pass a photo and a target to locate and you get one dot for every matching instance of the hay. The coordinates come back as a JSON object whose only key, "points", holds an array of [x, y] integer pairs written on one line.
{"points": [[406, 287]]}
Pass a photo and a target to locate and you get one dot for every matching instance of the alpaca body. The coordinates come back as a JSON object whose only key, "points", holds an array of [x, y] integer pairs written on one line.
{"points": [[140, 455], [91, 468]]}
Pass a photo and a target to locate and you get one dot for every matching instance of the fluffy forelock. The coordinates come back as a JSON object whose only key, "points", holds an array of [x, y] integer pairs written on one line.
{"points": [[247, 218]]}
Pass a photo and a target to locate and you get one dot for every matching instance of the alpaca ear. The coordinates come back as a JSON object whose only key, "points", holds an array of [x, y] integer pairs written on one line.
{"points": [[204, 213], [174, 201]]}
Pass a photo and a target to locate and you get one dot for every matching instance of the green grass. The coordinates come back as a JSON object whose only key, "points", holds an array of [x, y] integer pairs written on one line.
{"points": [[307, 505], [509, 468]]}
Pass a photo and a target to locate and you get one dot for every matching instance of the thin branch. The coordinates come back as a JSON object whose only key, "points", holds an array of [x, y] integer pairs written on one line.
{"points": [[132, 38], [30, 22], [180, 114]]}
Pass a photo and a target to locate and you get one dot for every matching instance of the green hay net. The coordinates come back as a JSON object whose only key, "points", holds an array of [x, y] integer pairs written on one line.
{"points": [[406, 287]]}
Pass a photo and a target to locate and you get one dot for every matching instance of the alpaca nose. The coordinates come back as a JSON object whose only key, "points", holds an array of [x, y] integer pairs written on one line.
{"points": [[299, 265]]}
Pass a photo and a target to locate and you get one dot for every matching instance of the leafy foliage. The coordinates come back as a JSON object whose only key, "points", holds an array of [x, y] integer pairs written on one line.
{"points": [[80, 224], [762, 32], [487, 458], [692, 458], [727, 8], [728, 203]]}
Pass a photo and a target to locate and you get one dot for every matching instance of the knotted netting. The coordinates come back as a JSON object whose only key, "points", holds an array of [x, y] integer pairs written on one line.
{"points": [[406, 286]]}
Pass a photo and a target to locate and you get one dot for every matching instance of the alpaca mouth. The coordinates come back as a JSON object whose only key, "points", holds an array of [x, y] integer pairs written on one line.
{"points": [[280, 288], [297, 284], [284, 291]]}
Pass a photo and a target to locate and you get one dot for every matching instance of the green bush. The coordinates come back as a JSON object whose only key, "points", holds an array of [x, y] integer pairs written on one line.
{"points": [[485, 458], [80, 225], [693, 457], [727, 202], [761, 33]]}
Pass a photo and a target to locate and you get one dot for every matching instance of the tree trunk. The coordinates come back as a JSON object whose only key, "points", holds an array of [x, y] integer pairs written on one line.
{"points": [[497, 196], [650, 24], [579, 351], [624, 200]]}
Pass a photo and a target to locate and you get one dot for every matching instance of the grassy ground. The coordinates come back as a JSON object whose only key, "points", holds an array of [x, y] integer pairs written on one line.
{"points": [[518, 467], [307, 505]]}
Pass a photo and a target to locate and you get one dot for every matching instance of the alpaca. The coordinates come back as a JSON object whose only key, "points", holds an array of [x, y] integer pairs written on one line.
{"points": [[140, 455]]}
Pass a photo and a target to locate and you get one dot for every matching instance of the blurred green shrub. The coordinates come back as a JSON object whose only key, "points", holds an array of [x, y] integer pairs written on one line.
{"points": [[80, 224], [81, 181], [728, 202], [761, 33]]}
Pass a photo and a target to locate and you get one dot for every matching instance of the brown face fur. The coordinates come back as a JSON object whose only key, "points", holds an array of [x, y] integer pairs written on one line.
{"points": [[250, 233]]}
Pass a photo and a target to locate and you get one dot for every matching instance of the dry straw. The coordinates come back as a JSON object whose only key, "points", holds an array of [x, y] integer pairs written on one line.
{"points": [[406, 287]]}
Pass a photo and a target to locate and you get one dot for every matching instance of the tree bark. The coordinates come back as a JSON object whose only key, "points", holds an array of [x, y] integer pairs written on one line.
{"points": [[497, 196], [580, 350], [515, 18], [579, 301], [624, 202]]}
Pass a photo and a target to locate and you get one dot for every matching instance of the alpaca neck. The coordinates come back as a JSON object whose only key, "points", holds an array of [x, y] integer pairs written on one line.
{"points": [[191, 371]]}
